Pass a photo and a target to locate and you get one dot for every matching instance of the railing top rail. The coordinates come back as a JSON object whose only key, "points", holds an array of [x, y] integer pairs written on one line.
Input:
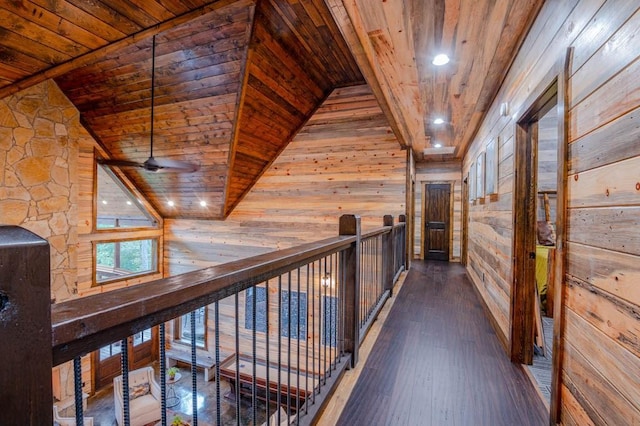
{"points": [[375, 232], [82, 325]]}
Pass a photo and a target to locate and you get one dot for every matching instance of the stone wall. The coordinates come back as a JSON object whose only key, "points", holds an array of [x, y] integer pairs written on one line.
{"points": [[39, 133]]}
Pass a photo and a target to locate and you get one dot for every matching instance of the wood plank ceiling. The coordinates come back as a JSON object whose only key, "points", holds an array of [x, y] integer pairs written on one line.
{"points": [[236, 79]]}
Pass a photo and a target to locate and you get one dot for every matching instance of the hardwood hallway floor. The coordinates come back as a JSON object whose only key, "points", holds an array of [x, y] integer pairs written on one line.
{"points": [[437, 361]]}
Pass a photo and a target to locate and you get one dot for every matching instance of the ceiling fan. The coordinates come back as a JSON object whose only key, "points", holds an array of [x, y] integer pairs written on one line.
{"points": [[153, 164]]}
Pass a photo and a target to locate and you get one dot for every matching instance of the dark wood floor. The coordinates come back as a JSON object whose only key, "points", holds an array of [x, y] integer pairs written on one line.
{"points": [[438, 362]]}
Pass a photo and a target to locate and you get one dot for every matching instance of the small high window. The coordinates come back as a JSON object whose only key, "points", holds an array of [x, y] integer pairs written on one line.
{"points": [[116, 206]]}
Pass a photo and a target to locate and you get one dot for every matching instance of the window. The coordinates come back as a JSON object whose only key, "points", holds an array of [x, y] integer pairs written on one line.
{"points": [[123, 259], [183, 327], [329, 321], [291, 303], [141, 337], [116, 206], [110, 350]]}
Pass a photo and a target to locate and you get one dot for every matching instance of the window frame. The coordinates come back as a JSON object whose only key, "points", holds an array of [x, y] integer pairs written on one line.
{"points": [[135, 196], [156, 259], [177, 329]]}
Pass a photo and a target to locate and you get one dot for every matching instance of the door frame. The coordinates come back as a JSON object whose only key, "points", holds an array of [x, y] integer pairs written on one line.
{"points": [[423, 219], [554, 84]]}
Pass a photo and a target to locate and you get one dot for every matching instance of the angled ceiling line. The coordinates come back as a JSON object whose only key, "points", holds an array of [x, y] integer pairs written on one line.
{"points": [[361, 54], [292, 135], [235, 133], [92, 55]]}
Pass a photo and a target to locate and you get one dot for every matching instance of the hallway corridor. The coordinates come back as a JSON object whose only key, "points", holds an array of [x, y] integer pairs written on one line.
{"points": [[437, 361]]}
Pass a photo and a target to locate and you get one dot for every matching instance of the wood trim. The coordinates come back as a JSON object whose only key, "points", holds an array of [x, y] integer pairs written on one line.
{"points": [[94, 55], [361, 56], [522, 307], [233, 146], [561, 239], [465, 221]]}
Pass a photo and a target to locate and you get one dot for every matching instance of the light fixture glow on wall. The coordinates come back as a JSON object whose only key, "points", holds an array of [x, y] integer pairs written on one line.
{"points": [[438, 145], [203, 203], [325, 281], [438, 121], [440, 59], [129, 203]]}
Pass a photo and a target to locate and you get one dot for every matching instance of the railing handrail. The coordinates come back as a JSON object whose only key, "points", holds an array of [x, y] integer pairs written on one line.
{"points": [[82, 325], [375, 232]]}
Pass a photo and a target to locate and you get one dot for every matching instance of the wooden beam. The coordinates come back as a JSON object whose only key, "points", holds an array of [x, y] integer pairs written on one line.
{"points": [[381, 66], [93, 55]]}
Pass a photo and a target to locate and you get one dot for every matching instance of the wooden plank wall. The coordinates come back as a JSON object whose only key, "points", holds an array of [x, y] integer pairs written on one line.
{"points": [[439, 173], [345, 160], [601, 356]]}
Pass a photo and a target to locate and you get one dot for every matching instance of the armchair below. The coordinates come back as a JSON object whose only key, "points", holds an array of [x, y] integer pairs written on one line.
{"points": [[144, 397]]}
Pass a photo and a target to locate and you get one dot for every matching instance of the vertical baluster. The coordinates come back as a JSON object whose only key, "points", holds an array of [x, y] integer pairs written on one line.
{"points": [[217, 350], [306, 346], [298, 349], [279, 387], [289, 344], [163, 375], [313, 323], [237, 328], [266, 291], [124, 358], [254, 389], [77, 388], [194, 389], [323, 324]]}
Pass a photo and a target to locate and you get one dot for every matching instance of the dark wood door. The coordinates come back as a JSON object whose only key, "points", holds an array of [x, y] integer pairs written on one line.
{"points": [[437, 206], [143, 351]]}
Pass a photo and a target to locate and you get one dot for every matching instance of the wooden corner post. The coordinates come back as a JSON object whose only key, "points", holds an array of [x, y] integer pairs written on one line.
{"points": [[405, 258], [388, 253], [350, 275], [25, 328]]}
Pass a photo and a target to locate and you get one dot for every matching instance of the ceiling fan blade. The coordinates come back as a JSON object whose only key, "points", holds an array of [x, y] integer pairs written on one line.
{"points": [[164, 165], [119, 163]]}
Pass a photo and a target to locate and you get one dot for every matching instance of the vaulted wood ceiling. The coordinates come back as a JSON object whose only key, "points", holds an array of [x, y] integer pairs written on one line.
{"points": [[236, 79]]}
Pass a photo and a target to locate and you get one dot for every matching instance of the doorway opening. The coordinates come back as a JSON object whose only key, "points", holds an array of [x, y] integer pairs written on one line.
{"points": [[437, 212], [539, 210]]}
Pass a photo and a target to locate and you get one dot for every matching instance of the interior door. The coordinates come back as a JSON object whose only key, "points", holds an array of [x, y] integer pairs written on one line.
{"points": [[143, 351], [437, 209]]}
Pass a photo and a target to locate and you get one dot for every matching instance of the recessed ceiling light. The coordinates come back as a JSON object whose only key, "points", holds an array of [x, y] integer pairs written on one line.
{"points": [[171, 203], [203, 203], [438, 121], [440, 59], [104, 201], [438, 145], [129, 203]]}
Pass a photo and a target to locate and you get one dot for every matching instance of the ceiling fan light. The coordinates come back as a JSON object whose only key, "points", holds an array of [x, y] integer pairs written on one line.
{"points": [[440, 59]]}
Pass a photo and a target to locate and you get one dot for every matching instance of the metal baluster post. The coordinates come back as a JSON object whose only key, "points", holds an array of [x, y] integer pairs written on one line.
{"points": [[194, 388], [77, 387]]}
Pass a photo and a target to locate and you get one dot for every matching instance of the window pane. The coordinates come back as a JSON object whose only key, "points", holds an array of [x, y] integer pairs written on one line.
{"points": [[141, 337], [110, 350], [116, 205], [121, 259], [185, 327]]}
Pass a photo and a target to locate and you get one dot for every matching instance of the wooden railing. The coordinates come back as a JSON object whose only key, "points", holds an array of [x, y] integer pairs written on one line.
{"points": [[319, 297]]}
